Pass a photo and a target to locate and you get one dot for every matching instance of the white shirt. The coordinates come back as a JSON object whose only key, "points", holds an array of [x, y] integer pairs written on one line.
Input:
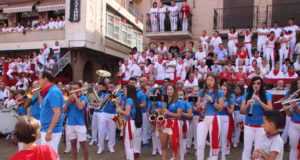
{"points": [[284, 68], [164, 50], [44, 26], [4, 94], [270, 44], [278, 76], [261, 30], [136, 70], [286, 75], [204, 41], [56, 47], [41, 59], [49, 65], [247, 38], [180, 71], [233, 35], [51, 24], [189, 63], [127, 72], [26, 66], [46, 52], [160, 69], [162, 11], [258, 60], [22, 85], [38, 70], [201, 69], [173, 11], [297, 48], [273, 144], [142, 60], [5, 29], [20, 29], [187, 83], [264, 70], [59, 24], [216, 69], [277, 32], [293, 28], [170, 69], [153, 59], [215, 42], [12, 65], [200, 55], [19, 66], [297, 66], [244, 68], [153, 12], [10, 29]]}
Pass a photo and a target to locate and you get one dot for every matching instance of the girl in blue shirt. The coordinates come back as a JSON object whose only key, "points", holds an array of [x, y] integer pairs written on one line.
{"points": [[131, 107], [172, 113], [261, 102], [294, 128], [226, 119], [211, 100], [238, 117]]}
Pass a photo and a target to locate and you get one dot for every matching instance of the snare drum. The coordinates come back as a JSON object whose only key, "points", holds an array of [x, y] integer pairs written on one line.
{"points": [[8, 121]]}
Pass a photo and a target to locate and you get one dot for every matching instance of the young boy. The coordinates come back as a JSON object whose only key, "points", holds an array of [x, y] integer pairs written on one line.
{"points": [[272, 147], [27, 130]]}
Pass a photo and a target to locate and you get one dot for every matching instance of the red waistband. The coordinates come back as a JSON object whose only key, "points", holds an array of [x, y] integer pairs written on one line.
{"points": [[255, 126], [296, 122]]}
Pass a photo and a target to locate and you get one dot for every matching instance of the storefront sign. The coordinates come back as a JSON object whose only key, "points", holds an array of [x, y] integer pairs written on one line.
{"points": [[74, 10]]}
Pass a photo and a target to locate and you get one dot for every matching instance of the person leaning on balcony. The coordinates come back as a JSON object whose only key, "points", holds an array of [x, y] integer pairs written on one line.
{"points": [[59, 23], [56, 51], [44, 25], [162, 15], [51, 23], [173, 9], [185, 13], [154, 17], [19, 28]]}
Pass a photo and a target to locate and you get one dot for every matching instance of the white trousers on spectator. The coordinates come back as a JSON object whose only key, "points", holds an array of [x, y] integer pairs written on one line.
{"points": [[154, 23], [182, 140], [223, 134], [145, 129], [54, 141], [285, 132], [169, 75], [95, 125], [252, 134], [261, 45], [185, 24], [155, 140], [137, 139], [173, 21], [129, 151], [248, 47], [294, 136], [9, 72], [162, 18], [192, 133], [232, 48], [270, 53], [283, 54], [107, 124], [202, 130], [160, 76], [292, 45], [238, 118]]}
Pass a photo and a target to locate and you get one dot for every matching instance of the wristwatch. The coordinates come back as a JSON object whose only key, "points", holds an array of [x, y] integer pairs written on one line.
{"points": [[49, 131]]}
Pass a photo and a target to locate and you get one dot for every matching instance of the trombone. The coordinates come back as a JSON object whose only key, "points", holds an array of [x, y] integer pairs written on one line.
{"points": [[286, 105], [66, 93], [284, 99], [28, 93]]}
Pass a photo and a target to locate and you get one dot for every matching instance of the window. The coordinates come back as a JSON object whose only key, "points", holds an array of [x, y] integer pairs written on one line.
{"points": [[124, 34]]}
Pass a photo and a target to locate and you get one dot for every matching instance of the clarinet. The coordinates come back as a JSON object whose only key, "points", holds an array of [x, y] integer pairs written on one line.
{"points": [[201, 117], [250, 114]]}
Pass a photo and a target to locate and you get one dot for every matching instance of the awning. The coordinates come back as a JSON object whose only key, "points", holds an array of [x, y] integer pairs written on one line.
{"points": [[51, 5], [19, 7]]}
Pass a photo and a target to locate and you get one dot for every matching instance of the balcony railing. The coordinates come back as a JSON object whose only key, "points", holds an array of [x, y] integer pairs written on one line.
{"points": [[281, 12], [167, 22], [239, 17], [131, 8]]}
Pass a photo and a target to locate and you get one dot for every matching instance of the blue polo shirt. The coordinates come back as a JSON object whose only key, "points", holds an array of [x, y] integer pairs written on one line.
{"points": [[238, 101], [22, 111], [151, 105], [296, 116], [76, 116], [258, 111], [195, 112], [132, 109], [35, 107], [110, 107], [232, 99], [210, 109], [142, 97], [185, 107], [173, 107], [54, 98]]}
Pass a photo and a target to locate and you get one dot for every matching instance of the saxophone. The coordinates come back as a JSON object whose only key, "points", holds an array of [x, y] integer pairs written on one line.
{"points": [[161, 117], [118, 119], [152, 117]]}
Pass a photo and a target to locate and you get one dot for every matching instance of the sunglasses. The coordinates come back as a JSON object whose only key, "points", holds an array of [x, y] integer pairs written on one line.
{"points": [[258, 83], [166, 82]]}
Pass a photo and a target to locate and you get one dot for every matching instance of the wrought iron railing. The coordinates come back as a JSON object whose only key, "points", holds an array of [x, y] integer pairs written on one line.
{"points": [[61, 64], [239, 17], [281, 12], [131, 8], [167, 22]]}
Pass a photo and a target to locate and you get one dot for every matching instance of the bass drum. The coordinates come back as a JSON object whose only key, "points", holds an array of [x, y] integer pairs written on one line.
{"points": [[8, 120]]}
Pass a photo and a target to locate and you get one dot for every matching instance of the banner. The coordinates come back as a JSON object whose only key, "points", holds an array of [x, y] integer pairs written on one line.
{"points": [[74, 11]]}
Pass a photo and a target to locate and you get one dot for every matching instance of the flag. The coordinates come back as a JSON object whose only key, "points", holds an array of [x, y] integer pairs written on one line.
{"points": [[136, 21], [112, 20], [124, 21]]}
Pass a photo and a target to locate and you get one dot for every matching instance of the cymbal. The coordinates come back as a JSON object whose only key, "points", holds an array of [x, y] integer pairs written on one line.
{"points": [[103, 73]]}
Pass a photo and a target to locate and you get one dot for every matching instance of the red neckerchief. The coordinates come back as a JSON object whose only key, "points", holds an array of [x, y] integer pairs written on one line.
{"points": [[154, 6], [44, 24], [190, 81], [126, 64], [73, 101], [131, 58], [133, 53], [162, 6], [152, 55], [45, 90], [256, 56], [11, 62], [188, 58], [12, 98], [45, 48], [244, 55], [162, 48], [143, 89], [160, 61], [291, 74], [203, 35], [272, 38], [201, 50], [171, 60], [56, 44], [41, 53], [275, 72], [232, 32], [216, 36], [172, 5], [147, 65], [180, 63], [254, 66], [257, 93], [144, 56], [202, 66], [237, 96], [247, 33], [20, 27]]}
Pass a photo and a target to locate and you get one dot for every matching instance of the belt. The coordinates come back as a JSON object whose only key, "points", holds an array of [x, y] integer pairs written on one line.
{"points": [[255, 126]]}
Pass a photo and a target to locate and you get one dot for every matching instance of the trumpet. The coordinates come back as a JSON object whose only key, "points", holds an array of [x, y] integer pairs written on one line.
{"points": [[66, 93], [250, 114], [28, 94]]}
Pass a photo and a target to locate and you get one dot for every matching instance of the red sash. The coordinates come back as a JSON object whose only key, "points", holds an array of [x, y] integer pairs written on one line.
{"points": [[215, 137], [129, 132]]}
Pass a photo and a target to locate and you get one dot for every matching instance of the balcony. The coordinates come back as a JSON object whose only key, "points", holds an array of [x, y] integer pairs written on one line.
{"points": [[240, 17], [130, 6], [29, 36], [168, 34]]}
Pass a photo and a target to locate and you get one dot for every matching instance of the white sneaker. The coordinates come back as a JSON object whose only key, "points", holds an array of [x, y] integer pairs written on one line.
{"points": [[88, 136], [67, 151], [235, 145], [91, 143], [111, 150], [99, 151], [227, 152], [207, 143], [154, 152], [159, 152], [223, 158], [78, 151]]}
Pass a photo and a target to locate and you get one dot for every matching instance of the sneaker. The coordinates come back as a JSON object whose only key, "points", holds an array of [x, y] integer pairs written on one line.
{"points": [[227, 152], [207, 143], [100, 151], [67, 151], [154, 152], [91, 143], [234, 145], [88, 136], [146, 145], [159, 152], [111, 150], [7, 137], [78, 151], [223, 158]]}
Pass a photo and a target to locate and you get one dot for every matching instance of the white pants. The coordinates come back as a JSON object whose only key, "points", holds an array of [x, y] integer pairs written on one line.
{"points": [[182, 140], [128, 145], [270, 54], [202, 129], [223, 134], [160, 76], [173, 21], [232, 48], [9, 72], [283, 54], [145, 129], [185, 24], [162, 22], [169, 75], [261, 44], [294, 139], [192, 133], [155, 140], [292, 45], [109, 125], [54, 141], [137, 139], [285, 132], [238, 118], [95, 125], [248, 47], [252, 134], [154, 23]]}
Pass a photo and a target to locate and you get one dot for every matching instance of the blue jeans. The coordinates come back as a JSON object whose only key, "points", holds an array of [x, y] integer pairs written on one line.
{"points": [[57, 56]]}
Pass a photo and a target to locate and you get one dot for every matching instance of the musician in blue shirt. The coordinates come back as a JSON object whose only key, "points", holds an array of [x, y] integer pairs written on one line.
{"points": [[255, 101], [34, 103]]}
